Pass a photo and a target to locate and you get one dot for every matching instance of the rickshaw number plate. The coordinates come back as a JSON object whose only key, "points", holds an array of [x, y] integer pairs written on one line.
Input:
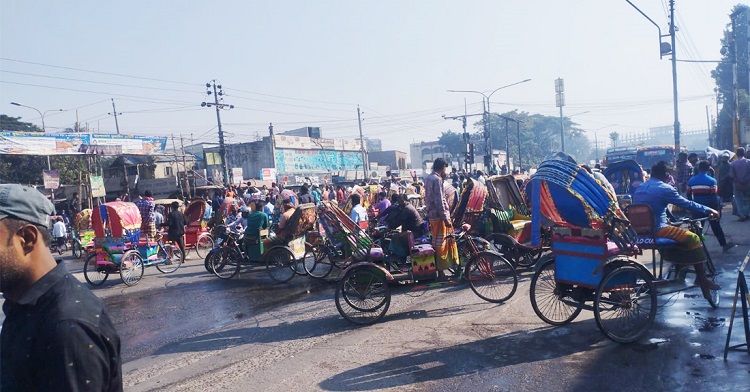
{"points": [[297, 246]]}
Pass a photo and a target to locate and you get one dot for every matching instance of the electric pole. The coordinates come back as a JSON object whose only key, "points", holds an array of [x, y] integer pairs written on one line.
{"points": [[365, 164], [218, 103], [114, 113], [468, 151], [560, 102], [184, 167], [674, 79]]}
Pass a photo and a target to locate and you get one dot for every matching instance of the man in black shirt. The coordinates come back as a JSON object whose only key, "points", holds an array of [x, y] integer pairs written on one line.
{"points": [[176, 223], [56, 335]]}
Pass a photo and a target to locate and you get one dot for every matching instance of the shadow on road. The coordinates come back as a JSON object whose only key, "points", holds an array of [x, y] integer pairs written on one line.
{"points": [[465, 359]]}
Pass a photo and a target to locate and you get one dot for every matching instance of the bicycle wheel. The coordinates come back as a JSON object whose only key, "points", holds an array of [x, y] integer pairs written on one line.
{"points": [[322, 266], [225, 263], [363, 295], [131, 268], [280, 264], [77, 250], [504, 245], [204, 245], [170, 258], [491, 277], [711, 275], [625, 304], [95, 274], [551, 301]]}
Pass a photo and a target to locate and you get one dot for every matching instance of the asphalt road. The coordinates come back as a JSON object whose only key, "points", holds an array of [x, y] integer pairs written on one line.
{"points": [[190, 331]]}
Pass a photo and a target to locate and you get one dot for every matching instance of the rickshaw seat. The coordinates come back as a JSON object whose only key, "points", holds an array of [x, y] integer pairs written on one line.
{"points": [[642, 220], [519, 225]]}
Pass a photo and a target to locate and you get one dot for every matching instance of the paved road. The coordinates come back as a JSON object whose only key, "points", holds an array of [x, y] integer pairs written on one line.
{"points": [[190, 331]]}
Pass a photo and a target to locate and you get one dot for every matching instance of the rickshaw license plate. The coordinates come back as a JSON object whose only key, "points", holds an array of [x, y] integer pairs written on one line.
{"points": [[297, 246]]}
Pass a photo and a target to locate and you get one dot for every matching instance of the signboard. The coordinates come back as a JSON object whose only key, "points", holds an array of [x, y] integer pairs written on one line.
{"points": [[293, 161], [237, 175], [306, 143], [97, 187], [51, 179], [268, 174], [31, 143]]}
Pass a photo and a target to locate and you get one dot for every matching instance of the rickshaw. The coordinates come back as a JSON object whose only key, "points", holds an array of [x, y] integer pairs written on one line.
{"points": [[625, 177], [83, 233], [119, 247], [197, 235], [363, 293], [593, 262], [506, 222], [287, 249]]}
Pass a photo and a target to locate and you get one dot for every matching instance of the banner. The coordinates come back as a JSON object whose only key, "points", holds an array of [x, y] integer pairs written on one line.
{"points": [[316, 161], [51, 179], [97, 187], [32, 143], [268, 174], [237, 175]]}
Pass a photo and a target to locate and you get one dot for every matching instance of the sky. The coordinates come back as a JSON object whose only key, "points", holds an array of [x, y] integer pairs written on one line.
{"points": [[311, 63]]}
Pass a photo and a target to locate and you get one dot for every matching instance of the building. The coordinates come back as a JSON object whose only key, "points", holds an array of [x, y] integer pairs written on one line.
{"points": [[373, 145], [312, 132], [424, 153], [664, 135], [392, 159]]}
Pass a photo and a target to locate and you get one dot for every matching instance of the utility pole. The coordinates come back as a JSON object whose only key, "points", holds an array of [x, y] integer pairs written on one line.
{"points": [[273, 146], [708, 125], [560, 102], [114, 113], [177, 166], [192, 144], [518, 131], [467, 143], [184, 167], [365, 164], [674, 79], [507, 147], [218, 92]]}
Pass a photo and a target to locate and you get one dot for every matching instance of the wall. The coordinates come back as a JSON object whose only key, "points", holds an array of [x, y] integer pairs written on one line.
{"points": [[251, 157], [395, 159]]}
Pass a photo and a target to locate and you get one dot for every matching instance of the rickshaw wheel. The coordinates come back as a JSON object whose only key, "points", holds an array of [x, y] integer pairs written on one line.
{"points": [[322, 266], [363, 296], [280, 264], [491, 277], [504, 246], [204, 245], [224, 263], [309, 260], [546, 299], [625, 304], [93, 273], [170, 257], [131, 268], [711, 273]]}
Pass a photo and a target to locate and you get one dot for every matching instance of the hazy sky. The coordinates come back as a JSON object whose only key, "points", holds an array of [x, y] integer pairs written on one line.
{"points": [[299, 63]]}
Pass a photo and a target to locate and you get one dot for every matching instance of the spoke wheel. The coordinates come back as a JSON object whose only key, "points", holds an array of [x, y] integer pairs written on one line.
{"points": [[491, 277], [363, 296], [224, 263], [204, 245], [131, 268], [170, 258], [280, 264], [625, 304], [322, 266], [711, 274], [551, 301], [94, 273], [77, 250]]}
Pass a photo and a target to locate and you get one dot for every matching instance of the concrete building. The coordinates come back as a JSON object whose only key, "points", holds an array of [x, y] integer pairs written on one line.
{"points": [[395, 160], [692, 139]]}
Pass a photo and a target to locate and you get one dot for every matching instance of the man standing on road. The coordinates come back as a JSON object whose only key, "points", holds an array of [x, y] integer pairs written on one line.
{"points": [[704, 190], [683, 172], [57, 335], [146, 206], [446, 253], [176, 224], [740, 172]]}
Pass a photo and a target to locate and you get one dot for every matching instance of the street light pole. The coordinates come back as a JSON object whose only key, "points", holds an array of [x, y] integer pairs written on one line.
{"points": [[596, 140], [487, 120]]}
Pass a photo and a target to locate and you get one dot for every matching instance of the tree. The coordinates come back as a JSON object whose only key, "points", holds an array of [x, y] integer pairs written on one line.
{"points": [[14, 124], [453, 143], [614, 136], [723, 75]]}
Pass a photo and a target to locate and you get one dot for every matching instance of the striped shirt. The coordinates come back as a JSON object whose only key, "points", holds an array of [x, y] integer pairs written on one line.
{"points": [[703, 190]]}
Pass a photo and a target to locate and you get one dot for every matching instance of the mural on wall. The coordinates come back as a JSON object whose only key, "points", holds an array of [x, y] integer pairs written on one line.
{"points": [[316, 161]]}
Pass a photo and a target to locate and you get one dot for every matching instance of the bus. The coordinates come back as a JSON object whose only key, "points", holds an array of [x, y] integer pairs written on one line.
{"points": [[619, 154], [651, 155]]}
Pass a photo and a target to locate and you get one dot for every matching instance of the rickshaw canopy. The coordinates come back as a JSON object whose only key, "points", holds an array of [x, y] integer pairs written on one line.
{"points": [[624, 176], [117, 219], [195, 211]]}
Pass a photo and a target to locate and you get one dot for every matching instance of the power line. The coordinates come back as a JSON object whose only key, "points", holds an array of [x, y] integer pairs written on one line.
{"points": [[97, 82], [91, 92]]}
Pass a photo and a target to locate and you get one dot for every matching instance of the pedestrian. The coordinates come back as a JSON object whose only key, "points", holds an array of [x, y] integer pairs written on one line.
{"points": [[316, 194], [176, 225], [739, 170], [158, 216], [724, 178], [693, 159], [74, 205], [56, 335], [446, 253], [305, 196], [358, 213], [147, 208], [340, 196], [683, 172], [703, 190], [59, 232]]}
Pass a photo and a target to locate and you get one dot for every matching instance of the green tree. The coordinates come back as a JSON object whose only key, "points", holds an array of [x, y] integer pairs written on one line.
{"points": [[14, 124], [452, 142], [723, 75], [614, 136]]}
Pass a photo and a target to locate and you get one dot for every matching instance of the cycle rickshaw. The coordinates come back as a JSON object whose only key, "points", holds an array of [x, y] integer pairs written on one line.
{"points": [[363, 293], [286, 250], [83, 233], [119, 247], [593, 262], [625, 176], [197, 235]]}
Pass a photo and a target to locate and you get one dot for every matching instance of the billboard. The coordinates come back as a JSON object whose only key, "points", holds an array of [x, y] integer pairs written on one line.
{"points": [[268, 174], [306, 143], [97, 187], [31, 143], [294, 161], [51, 179], [237, 175]]}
